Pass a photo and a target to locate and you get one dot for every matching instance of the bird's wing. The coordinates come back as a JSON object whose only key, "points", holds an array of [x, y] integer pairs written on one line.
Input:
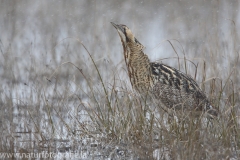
{"points": [[175, 88]]}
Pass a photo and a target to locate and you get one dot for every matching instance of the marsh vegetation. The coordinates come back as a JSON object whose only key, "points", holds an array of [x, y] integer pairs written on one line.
{"points": [[64, 85]]}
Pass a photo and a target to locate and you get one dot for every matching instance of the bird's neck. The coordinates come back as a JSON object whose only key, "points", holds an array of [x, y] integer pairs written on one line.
{"points": [[138, 65]]}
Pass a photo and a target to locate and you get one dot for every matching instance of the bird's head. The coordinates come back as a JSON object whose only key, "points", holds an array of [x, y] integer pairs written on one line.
{"points": [[126, 35]]}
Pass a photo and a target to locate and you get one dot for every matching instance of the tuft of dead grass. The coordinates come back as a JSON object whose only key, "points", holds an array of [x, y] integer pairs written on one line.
{"points": [[60, 98]]}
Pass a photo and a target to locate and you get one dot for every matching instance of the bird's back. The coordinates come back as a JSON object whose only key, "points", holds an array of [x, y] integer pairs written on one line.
{"points": [[176, 89]]}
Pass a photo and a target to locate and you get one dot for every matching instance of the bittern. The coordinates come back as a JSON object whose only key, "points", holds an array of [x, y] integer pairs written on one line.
{"points": [[171, 87]]}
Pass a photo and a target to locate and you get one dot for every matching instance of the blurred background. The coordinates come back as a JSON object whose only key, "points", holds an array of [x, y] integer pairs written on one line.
{"points": [[37, 37], [37, 33]]}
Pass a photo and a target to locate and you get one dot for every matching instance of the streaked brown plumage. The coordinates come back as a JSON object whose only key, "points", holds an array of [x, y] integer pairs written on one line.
{"points": [[171, 87]]}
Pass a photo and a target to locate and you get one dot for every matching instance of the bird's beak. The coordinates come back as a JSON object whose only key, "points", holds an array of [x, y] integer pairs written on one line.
{"points": [[118, 27]]}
